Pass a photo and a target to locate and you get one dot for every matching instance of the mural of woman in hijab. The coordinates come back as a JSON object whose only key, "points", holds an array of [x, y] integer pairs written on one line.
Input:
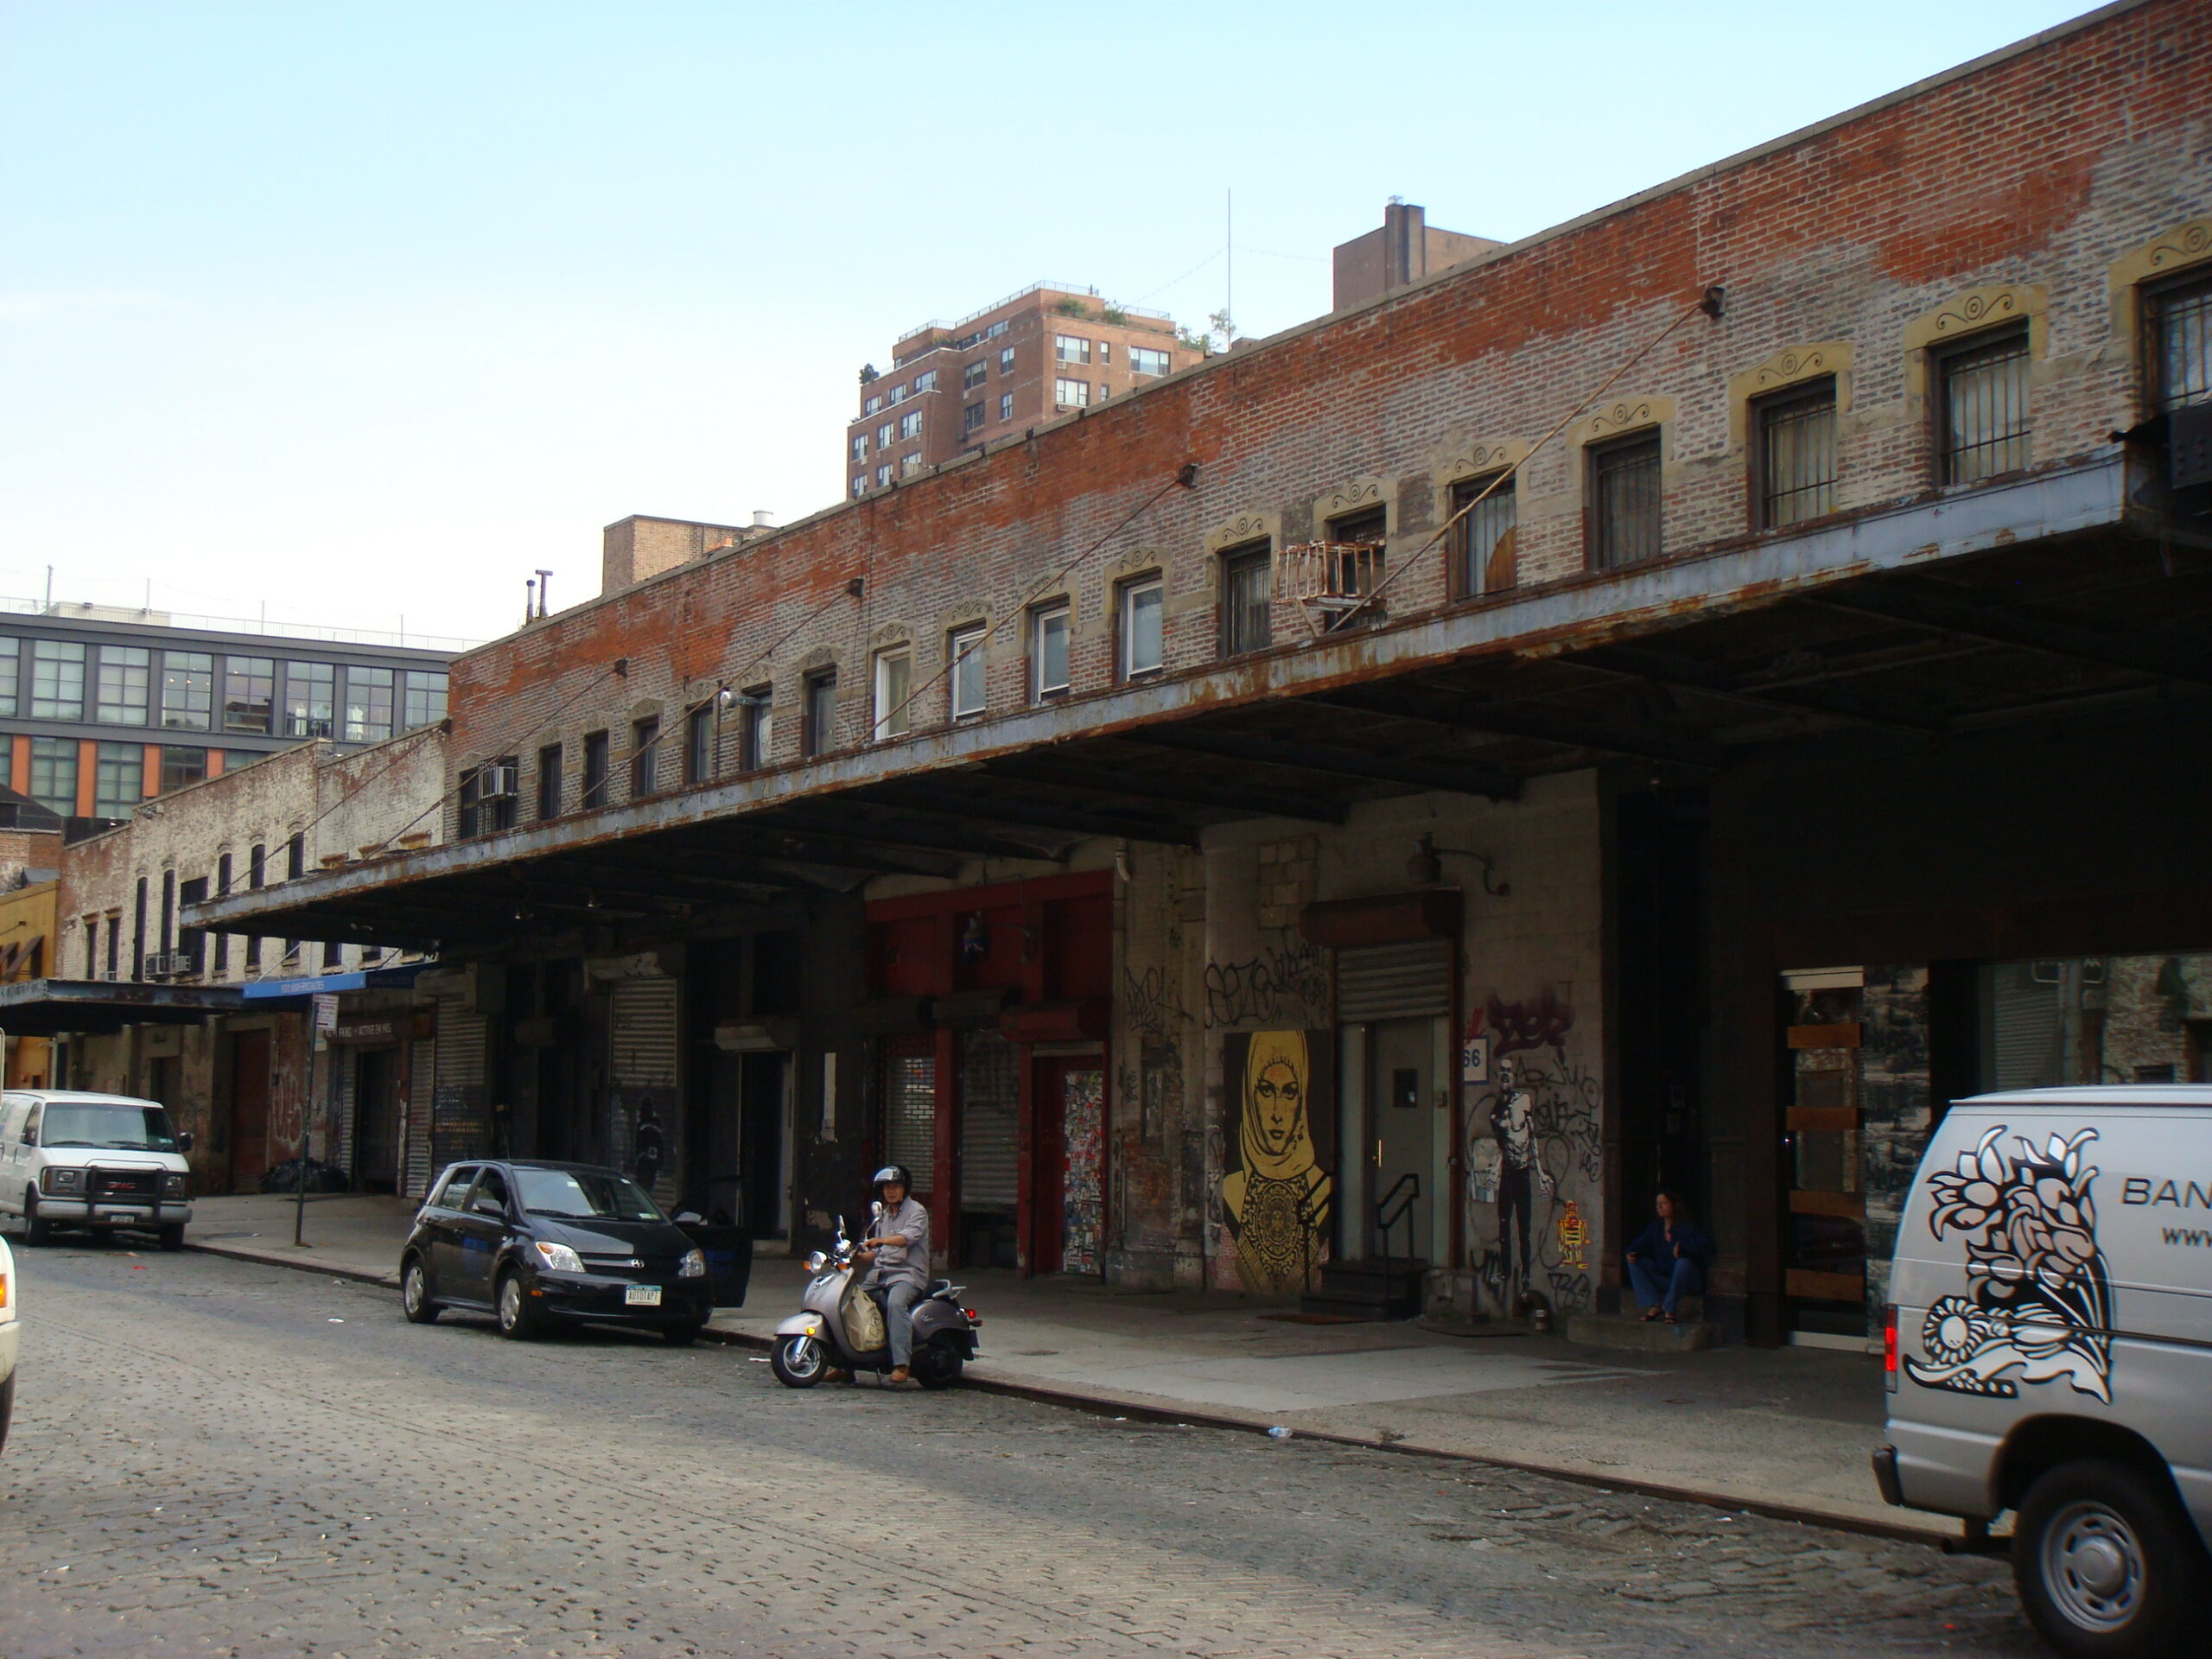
{"points": [[1277, 1199]]}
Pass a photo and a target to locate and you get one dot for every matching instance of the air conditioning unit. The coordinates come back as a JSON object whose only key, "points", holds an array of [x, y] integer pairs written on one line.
{"points": [[164, 965], [497, 783]]}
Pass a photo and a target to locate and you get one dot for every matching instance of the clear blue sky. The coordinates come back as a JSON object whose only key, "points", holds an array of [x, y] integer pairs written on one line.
{"points": [[367, 310]]}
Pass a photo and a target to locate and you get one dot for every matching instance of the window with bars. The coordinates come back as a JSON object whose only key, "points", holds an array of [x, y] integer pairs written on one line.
{"points": [[2181, 344], [1797, 455], [1482, 542], [1246, 595], [910, 1116], [1625, 501], [1982, 408]]}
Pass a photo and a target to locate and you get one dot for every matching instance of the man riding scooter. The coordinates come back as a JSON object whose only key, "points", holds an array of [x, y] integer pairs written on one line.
{"points": [[895, 1250]]}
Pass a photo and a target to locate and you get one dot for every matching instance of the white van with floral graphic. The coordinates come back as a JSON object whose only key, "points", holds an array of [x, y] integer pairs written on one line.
{"points": [[2049, 1352]]}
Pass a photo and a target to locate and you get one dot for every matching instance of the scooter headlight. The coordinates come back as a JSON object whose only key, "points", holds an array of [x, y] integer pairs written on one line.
{"points": [[694, 1265], [558, 1258], [816, 1263]]}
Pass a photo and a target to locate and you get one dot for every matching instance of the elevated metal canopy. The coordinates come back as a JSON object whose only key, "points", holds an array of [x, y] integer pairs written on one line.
{"points": [[43, 1007]]}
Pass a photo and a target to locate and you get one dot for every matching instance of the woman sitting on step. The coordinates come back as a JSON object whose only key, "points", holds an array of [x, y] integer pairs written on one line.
{"points": [[1667, 1260]]}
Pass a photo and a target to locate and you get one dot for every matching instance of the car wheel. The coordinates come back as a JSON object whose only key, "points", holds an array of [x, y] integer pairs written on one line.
{"points": [[938, 1365], [2108, 1565], [798, 1361], [517, 1320], [173, 1237], [681, 1335], [36, 1229], [415, 1293]]}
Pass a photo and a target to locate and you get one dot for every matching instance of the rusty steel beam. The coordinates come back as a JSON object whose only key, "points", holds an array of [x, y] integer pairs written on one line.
{"points": [[853, 826], [1213, 796], [1704, 679], [1468, 777], [1941, 614], [1457, 711], [997, 811]]}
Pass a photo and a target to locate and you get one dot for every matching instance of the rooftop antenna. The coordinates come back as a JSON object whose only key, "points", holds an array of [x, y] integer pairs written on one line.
{"points": [[1228, 265]]}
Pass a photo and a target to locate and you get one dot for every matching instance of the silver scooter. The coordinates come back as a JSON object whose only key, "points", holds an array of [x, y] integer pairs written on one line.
{"points": [[841, 1326]]}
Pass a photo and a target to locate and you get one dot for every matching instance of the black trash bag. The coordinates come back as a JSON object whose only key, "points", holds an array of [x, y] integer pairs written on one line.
{"points": [[320, 1177]]}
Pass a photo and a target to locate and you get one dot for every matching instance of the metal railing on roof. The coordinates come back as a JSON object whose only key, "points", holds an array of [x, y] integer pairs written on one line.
{"points": [[87, 611], [1082, 290]]}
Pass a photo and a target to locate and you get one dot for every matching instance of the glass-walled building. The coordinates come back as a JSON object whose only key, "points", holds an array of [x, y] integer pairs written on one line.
{"points": [[103, 708]]}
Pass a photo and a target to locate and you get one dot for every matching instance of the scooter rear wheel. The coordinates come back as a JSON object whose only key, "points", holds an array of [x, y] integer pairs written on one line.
{"points": [[938, 1365], [798, 1361]]}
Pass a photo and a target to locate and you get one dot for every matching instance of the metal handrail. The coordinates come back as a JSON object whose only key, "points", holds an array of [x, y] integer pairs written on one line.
{"points": [[1383, 1223]]}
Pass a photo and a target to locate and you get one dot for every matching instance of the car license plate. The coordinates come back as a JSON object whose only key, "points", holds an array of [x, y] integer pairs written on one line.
{"points": [[126, 1215], [642, 1295]]}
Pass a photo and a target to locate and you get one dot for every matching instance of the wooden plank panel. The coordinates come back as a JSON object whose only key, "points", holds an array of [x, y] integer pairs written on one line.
{"points": [[1827, 1286]]}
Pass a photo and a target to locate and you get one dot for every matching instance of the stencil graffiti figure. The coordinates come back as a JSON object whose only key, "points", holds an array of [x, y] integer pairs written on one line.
{"points": [[2041, 1306], [1278, 1203], [1512, 1122]]}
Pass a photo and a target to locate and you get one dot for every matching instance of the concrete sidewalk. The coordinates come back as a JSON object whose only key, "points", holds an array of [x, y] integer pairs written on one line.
{"points": [[1786, 1431]]}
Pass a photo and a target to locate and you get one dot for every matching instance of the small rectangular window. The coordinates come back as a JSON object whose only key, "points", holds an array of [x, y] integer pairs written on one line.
{"points": [[1071, 348], [859, 446], [488, 801], [295, 856], [57, 680], [760, 728], [699, 743], [311, 697], [644, 757], [181, 766], [257, 867], [898, 396], [119, 782], [1105, 353], [873, 406], [885, 433], [894, 684], [925, 382], [1482, 542], [1797, 455], [974, 376], [860, 486], [1983, 409], [883, 475], [595, 769], [2181, 344], [1072, 394], [1142, 640], [909, 465], [187, 690], [426, 698], [967, 675], [1247, 599], [125, 685], [910, 426], [11, 672], [54, 774], [819, 724], [1144, 360], [368, 704], [1625, 501], [1005, 360], [249, 694], [549, 782], [1048, 652], [1006, 406], [972, 419]]}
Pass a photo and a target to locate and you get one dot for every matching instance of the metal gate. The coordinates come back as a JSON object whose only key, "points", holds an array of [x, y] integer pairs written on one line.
{"points": [[1394, 982], [990, 1177]]}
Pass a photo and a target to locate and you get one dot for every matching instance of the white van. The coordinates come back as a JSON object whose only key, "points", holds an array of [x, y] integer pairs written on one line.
{"points": [[9, 1332], [97, 1161], [2049, 1352]]}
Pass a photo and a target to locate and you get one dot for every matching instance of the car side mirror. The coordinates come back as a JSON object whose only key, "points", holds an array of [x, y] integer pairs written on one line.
{"points": [[488, 1205], [184, 1142]]}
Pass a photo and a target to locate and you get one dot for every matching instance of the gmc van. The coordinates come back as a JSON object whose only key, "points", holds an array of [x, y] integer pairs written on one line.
{"points": [[2049, 1352], [95, 1161]]}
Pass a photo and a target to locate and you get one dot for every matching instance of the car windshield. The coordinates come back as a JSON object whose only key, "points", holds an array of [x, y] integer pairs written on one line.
{"points": [[111, 1128], [584, 1195]]}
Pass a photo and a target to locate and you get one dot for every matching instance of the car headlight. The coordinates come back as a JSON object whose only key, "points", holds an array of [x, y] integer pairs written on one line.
{"points": [[173, 1185], [816, 1263], [558, 1258], [61, 1180], [694, 1265]]}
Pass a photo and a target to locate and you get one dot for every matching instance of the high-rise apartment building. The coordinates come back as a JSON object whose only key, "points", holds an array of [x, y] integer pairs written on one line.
{"points": [[1049, 350], [101, 708]]}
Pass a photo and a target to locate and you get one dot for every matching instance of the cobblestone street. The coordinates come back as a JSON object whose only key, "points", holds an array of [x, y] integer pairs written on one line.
{"points": [[212, 1457]]}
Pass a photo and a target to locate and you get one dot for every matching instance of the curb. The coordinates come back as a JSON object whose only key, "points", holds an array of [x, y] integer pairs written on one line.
{"points": [[1100, 1406]]}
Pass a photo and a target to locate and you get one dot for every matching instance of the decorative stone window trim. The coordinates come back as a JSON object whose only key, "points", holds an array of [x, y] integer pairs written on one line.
{"points": [[1974, 311], [1358, 495], [1239, 531], [2186, 248], [891, 633], [1795, 366], [1622, 415], [1475, 458], [820, 658]]}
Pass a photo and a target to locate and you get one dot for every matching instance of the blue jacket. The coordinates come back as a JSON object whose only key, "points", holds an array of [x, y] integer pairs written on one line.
{"points": [[1653, 1244]]}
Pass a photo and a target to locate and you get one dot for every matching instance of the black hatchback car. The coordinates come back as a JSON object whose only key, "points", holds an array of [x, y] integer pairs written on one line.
{"points": [[532, 1243]]}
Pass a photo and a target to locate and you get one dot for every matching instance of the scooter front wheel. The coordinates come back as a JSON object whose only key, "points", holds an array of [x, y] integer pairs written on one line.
{"points": [[798, 1361]]}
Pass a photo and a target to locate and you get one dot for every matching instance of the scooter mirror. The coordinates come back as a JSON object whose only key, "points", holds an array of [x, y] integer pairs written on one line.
{"points": [[876, 1208]]}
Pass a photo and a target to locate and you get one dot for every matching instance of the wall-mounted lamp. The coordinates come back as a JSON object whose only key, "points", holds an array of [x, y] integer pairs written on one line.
{"points": [[1426, 867]]}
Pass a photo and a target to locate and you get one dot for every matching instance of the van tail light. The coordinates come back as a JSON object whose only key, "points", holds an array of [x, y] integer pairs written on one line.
{"points": [[1890, 1346]]}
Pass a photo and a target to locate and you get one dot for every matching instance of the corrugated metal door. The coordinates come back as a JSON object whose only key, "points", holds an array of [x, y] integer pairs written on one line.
{"points": [[414, 1135], [990, 1108], [1394, 981], [458, 1126], [644, 1034], [910, 1108], [341, 1059]]}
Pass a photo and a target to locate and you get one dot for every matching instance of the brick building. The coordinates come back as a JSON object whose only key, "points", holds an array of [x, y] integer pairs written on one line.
{"points": [[1050, 350], [1676, 698]]}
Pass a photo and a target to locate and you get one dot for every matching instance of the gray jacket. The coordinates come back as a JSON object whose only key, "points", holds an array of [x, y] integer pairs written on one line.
{"points": [[907, 1263]]}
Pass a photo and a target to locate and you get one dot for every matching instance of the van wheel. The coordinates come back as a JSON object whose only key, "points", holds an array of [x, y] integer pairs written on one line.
{"points": [[2107, 1565], [798, 1361], [415, 1293], [938, 1365], [36, 1230], [517, 1320], [173, 1237]]}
